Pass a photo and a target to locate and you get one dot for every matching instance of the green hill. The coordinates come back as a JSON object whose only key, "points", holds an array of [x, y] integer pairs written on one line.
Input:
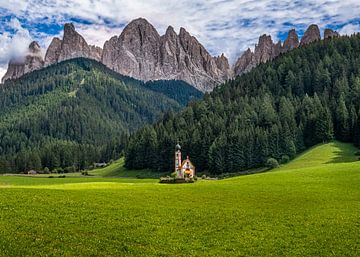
{"points": [[117, 169], [307, 96], [78, 112], [308, 207]]}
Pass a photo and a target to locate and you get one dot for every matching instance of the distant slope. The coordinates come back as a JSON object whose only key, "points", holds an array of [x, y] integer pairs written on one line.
{"points": [[325, 154], [181, 93], [77, 112], [117, 169]]}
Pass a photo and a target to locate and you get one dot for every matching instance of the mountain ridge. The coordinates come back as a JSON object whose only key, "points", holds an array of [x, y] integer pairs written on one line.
{"points": [[141, 52]]}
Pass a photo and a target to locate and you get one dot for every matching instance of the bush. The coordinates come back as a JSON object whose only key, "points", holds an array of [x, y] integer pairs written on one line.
{"points": [[285, 159], [59, 170], [46, 170], [203, 176], [70, 169], [357, 153], [272, 163], [85, 173]]}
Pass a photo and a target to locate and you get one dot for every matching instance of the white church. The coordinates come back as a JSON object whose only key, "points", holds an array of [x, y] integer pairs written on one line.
{"points": [[184, 169]]}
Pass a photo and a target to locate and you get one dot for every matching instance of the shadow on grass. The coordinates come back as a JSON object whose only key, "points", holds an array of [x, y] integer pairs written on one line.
{"points": [[345, 153]]}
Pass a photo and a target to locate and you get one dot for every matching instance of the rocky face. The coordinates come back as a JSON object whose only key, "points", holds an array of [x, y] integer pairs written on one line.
{"points": [[311, 34], [32, 61], [15, 70], [329, 33], [53, 51], [245, 63], [291, 42], [135, 52], [72, 45], [265, 50], [140, 52]]}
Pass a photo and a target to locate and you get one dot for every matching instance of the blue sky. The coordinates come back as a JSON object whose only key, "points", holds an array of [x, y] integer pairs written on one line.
{"points": [[229, 26]]}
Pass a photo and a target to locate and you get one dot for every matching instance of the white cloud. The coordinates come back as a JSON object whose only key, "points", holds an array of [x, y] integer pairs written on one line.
{"points": [[2, 71], [349, 29], [13, 46], [97, 34]]}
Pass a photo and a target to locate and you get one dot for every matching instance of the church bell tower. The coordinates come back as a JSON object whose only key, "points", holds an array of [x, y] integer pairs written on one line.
{"points": [[178, 160]]}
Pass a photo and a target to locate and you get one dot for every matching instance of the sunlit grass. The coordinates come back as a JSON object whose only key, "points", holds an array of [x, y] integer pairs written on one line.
{"points": [[309, 207]]}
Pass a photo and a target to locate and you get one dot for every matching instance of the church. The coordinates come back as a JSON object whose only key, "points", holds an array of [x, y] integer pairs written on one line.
{"points": [[184, 169]]}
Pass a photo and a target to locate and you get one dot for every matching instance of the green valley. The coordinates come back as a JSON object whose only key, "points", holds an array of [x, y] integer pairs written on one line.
{"points": [[308, 207]]}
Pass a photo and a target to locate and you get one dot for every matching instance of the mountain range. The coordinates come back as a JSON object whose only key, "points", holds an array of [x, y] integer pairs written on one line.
{"points": [[140, 52]]}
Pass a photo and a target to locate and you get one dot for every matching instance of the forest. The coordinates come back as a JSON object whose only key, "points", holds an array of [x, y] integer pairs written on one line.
{"points": [[70, 115], [277, 110]]}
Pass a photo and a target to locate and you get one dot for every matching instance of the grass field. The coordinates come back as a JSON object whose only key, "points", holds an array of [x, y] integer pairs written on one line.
{"points": [[310, 207]]}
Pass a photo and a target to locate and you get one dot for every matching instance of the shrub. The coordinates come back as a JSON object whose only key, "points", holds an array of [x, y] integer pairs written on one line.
{"points": [[46, 170], [203, 176], [70, 169], [272, 163], [285, 159]]}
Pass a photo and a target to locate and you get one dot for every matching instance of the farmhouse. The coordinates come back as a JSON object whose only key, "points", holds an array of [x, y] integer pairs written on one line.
{"points": [[184, 169]]}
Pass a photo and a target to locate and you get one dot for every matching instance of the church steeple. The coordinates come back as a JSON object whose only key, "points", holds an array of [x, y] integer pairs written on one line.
{"points": [[178, 160]]}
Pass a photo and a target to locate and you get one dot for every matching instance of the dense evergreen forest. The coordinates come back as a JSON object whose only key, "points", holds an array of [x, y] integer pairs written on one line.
{"points": [[307, 96], [78, 112]]}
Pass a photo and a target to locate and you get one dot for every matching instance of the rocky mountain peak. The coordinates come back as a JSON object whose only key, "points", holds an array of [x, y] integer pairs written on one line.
{"points": [[69, 27], [311, 34], [140, 31], [142, 53], [245, 62], [222, 62], [139, 51], [72, 45], [170, 32], [329, 33], [291, 42], [53, 51], [32, 61], [264, 50], [34, 47]]}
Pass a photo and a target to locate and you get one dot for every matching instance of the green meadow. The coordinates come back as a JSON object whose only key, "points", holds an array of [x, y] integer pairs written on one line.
{"points": [[309, 207]]}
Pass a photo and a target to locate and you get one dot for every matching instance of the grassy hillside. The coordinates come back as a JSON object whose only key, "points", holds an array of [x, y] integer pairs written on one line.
{"points": [[296, 210], [117, 169], [335, 152]]}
